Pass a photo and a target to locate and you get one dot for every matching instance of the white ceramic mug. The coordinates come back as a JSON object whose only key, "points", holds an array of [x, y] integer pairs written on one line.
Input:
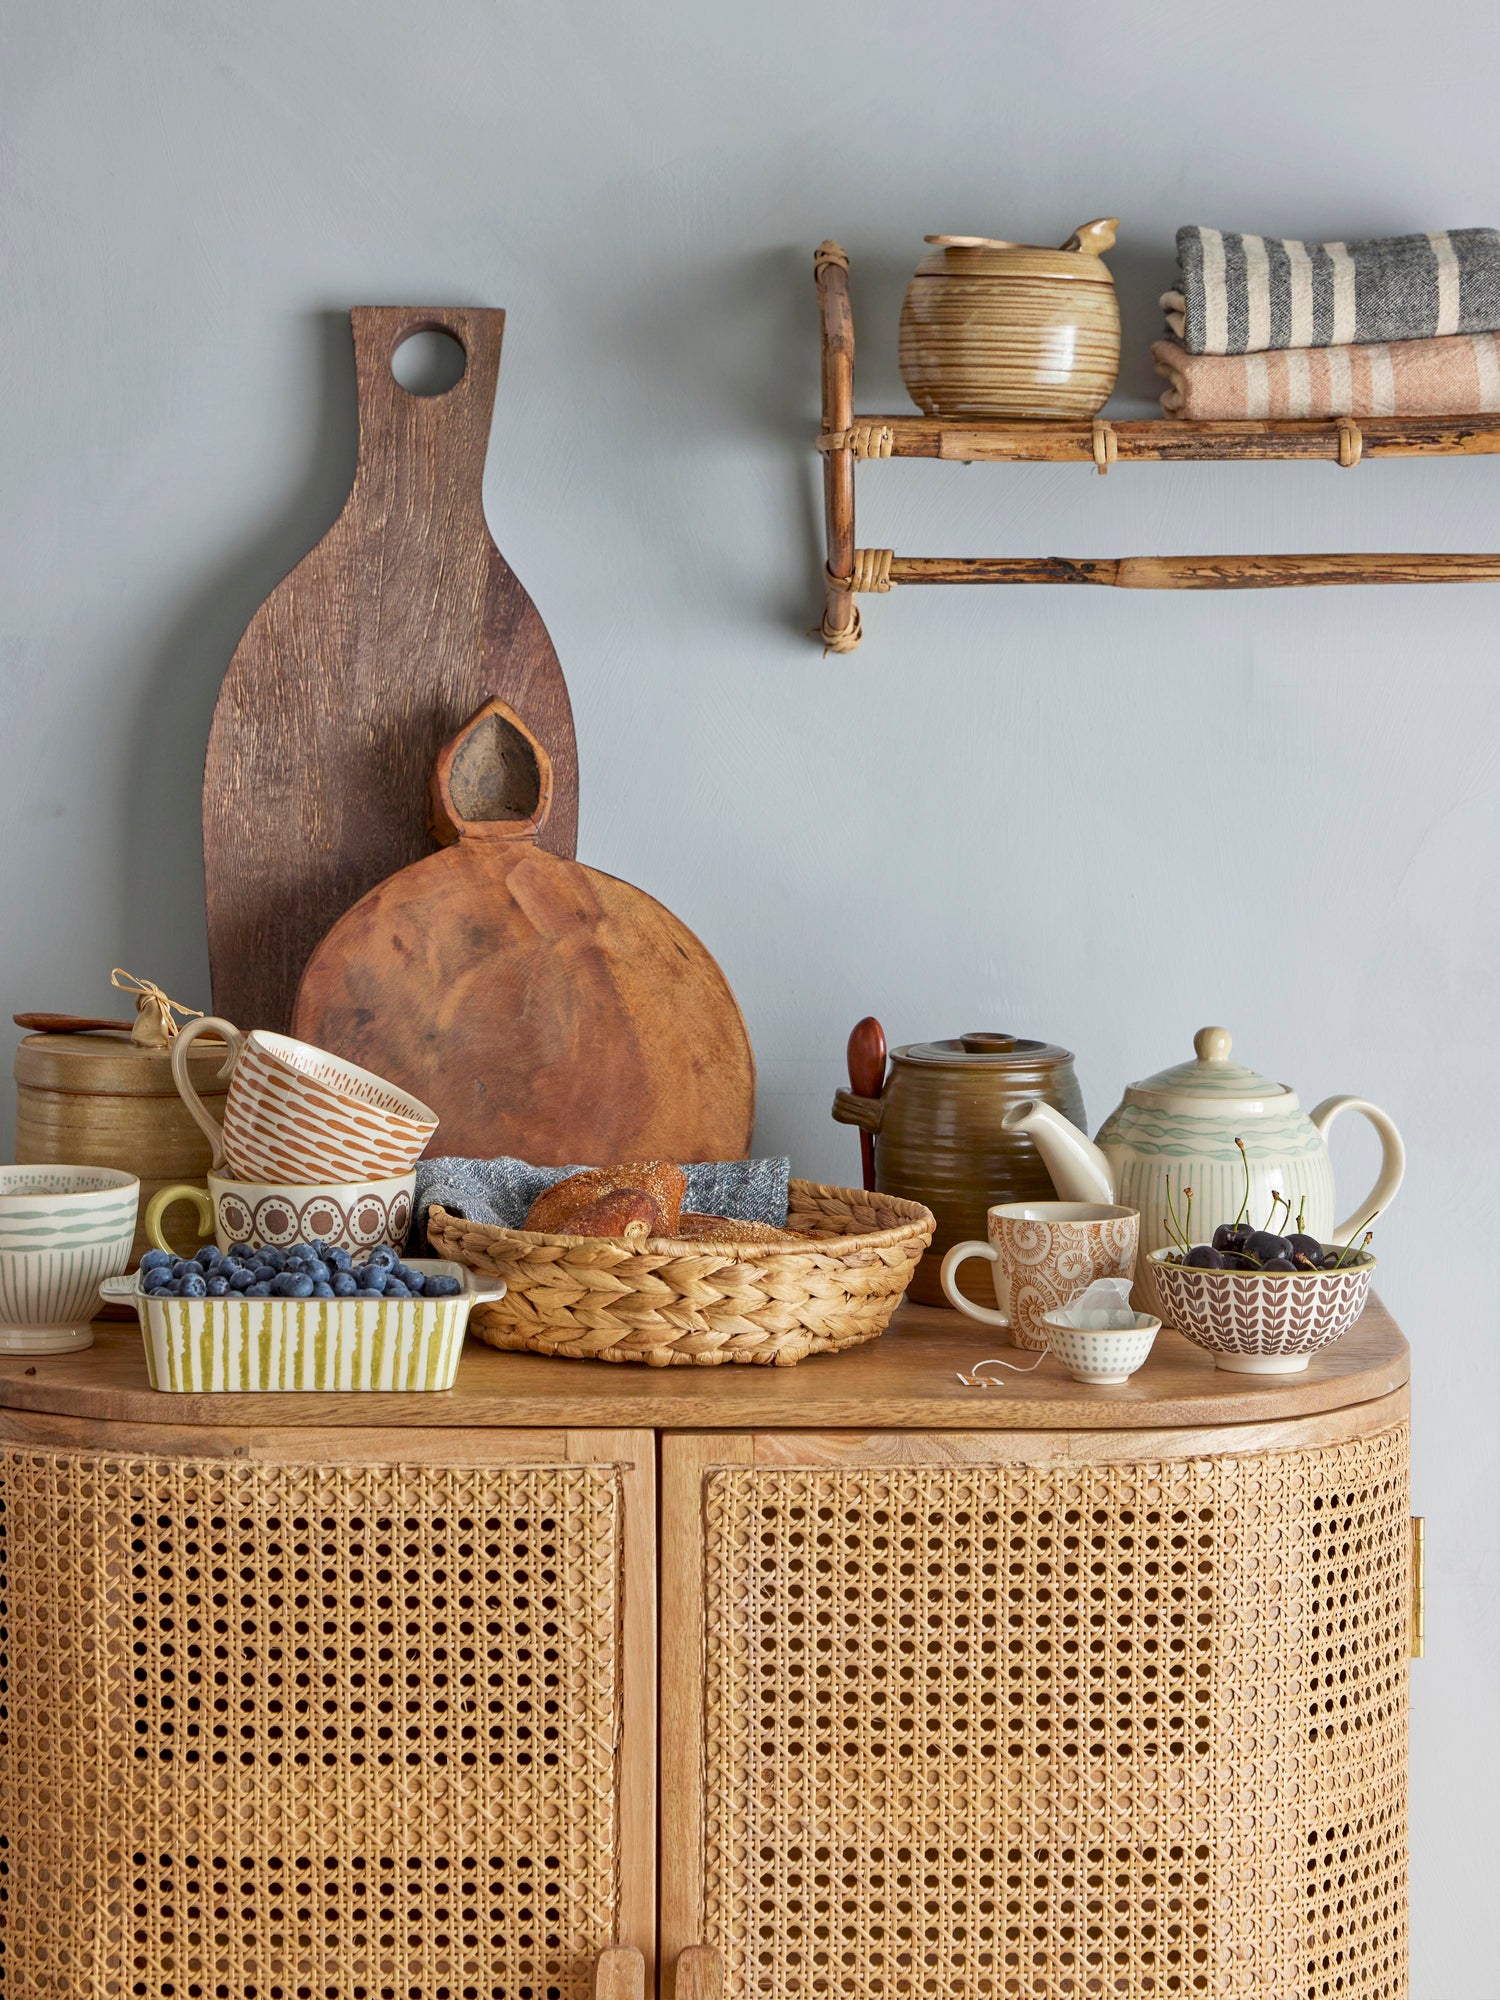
{"points": [[295, 1113], [1044, 1253]]}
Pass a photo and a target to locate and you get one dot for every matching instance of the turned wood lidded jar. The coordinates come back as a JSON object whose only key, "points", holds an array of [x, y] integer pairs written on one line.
{"points": [[939, 1138], [995, 329]]}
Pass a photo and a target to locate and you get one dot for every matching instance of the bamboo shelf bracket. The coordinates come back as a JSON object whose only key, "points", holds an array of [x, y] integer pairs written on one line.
{"points": [[844, 439]]}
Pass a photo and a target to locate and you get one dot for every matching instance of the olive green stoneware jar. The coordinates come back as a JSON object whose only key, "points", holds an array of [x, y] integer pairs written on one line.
{"points": [[938, 1136]]}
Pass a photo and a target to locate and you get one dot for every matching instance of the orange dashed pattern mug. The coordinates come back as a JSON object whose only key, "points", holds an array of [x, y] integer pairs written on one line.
{"points": [[297, 1113]]}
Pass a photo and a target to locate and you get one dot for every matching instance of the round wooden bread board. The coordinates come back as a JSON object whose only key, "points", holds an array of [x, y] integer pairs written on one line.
{"points": [[542, 1008]]}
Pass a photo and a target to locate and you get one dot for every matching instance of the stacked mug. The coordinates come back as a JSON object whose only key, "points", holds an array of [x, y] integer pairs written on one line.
{"points": [[312, 1149]]}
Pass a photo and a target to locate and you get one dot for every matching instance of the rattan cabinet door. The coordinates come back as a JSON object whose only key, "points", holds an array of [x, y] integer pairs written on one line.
{"points": [[1005, 1717], [324, 1716]]}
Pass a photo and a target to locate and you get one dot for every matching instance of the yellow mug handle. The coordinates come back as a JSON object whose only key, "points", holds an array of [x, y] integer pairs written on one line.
{"points": [[158, 1205]]}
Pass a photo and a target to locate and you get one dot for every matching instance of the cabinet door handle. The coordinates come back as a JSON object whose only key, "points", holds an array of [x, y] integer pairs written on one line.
{"points": [[620, 1974], [700, 1973], [1418, 1586]]}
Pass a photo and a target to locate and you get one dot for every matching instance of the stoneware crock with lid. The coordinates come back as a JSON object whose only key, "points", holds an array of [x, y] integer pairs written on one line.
{"points": [[940, 1136], [997, 329], [1180, 1125]]}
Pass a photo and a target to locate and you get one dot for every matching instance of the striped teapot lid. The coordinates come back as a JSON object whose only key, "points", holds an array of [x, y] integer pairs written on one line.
{"points": [[1210, 1074]]}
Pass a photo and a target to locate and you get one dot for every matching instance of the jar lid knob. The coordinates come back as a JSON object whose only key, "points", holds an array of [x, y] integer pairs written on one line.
{"points": [[984, 1041], [1212, 1044]]}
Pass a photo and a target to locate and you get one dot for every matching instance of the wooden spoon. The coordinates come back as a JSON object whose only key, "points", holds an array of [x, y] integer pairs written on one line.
{"points": [[66, 1024], [866, 1057]]}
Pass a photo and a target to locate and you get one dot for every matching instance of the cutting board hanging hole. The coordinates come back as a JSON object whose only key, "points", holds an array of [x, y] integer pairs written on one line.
{"points": [[429, 362], [492, 782]]}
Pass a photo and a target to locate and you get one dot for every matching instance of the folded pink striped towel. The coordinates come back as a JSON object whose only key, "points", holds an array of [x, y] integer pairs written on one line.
{"points": [[1453, 375]]}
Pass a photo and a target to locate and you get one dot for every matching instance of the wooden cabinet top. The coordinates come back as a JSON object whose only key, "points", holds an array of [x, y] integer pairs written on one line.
{"points": [[907, 1380]]}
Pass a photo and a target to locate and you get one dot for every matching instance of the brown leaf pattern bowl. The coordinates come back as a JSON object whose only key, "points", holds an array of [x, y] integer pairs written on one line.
{"points": [[1261, 1322]]}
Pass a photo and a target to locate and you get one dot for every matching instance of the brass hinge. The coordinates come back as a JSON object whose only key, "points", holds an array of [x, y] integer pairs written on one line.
{"points": [[1418, 1586]]}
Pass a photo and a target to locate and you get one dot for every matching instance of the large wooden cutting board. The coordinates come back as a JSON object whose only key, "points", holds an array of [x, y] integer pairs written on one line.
{"points": [[357, 669], [543, 1009]]}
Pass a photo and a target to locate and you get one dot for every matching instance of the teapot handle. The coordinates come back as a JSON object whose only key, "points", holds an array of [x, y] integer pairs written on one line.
{"points": [[1392, 1158], [1093, 238]]}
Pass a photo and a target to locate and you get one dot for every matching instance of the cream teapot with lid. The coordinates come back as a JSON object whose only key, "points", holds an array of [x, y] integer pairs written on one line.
{"points": [[1181, 1125]]}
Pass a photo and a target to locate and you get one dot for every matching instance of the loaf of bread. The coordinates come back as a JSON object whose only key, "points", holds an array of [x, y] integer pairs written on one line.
{"points": [[555, 1208], [621, 1212], [729, 1229]]}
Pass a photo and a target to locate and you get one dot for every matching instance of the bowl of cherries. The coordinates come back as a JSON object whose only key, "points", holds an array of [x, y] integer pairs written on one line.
{"points": [[1261, 1301]]}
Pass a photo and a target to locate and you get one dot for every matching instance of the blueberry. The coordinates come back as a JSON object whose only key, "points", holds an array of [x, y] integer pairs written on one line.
{"points": [[217, 1286], [370, 1277], [269, 1254], [239, 1280], [156, 1281], [259, 1291], [385, 1256], [291, 1285], [322, 1291], [366, 1293], [240, 1252], [317, 1270], [156, 1260], [413, 1280], [207, 1257], [342, 1285], [339, 1260], [192, 1285], [442, 1288], [396, 1290]]}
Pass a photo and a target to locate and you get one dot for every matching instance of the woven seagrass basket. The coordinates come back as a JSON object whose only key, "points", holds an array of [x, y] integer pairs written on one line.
{"points": [[670, 1302]]}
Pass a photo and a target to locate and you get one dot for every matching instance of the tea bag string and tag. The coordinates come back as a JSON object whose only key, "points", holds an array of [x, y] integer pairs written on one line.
{"points": [[154, 1026], [974, 1380]]}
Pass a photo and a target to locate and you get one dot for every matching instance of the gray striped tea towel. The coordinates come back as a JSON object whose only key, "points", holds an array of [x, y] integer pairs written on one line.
{"points": [[1248, 294], [502, 1190]]}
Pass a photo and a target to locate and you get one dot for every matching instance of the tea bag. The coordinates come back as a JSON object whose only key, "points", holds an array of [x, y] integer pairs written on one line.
{"points": [[1103, 1308]]}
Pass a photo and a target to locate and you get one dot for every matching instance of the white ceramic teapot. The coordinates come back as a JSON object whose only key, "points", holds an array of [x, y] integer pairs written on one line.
{"points": [[1181, 1125]]}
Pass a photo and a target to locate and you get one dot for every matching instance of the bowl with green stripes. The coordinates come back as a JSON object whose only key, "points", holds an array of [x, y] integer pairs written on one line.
{"points": [[63, 1230]]}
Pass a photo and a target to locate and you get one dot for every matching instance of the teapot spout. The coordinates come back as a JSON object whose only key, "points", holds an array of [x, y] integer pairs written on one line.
{"points": [[1079, 1171]]}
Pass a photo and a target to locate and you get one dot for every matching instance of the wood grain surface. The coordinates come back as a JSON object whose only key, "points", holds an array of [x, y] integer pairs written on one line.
{"points": [[1198, 572], [357, 668], [542, 1009], [904, 1380], [1177, 440]]}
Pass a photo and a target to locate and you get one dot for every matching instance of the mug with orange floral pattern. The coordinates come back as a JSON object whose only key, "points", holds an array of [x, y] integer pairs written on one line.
{"points": [[1044, 1254]]}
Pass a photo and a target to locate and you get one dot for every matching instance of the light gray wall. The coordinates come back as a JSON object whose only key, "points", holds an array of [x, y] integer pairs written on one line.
{"points": [[1105, 818]]}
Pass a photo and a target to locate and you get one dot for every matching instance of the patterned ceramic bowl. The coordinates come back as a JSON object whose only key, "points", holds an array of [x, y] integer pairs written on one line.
{"points": [[62, 1231], [1261, 1322], [1101, 1354], [352, 1215]]}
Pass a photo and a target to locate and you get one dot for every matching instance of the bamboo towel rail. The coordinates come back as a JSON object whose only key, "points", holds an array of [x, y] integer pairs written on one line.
{"points": [[845, 438]]}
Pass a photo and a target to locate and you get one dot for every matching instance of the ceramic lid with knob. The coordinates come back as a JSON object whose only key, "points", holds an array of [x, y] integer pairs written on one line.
{"points": [[1212, 1077], [985, 1049]]}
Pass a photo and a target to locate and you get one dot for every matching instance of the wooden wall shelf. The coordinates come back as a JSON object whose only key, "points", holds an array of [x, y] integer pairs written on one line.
{"points": [[846, 438]]}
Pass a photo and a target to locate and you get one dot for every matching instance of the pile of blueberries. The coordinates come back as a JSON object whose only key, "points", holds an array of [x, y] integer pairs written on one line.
{"points": [[302, 1271]]}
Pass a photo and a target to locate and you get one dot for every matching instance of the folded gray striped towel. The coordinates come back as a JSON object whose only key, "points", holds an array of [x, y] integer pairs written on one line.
{"points": [[1249, 294], [502, 1190]]}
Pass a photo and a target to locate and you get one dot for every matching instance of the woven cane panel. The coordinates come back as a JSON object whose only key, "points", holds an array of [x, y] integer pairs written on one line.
{"points": [[1051, 1733], [307, 1733]]}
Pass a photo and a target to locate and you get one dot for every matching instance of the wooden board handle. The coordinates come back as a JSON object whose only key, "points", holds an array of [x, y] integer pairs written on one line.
{"points": [[425, 441]]}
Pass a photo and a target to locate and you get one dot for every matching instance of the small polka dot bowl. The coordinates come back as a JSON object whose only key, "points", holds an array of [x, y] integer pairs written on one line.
{"points": [[1100, 1354]]}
